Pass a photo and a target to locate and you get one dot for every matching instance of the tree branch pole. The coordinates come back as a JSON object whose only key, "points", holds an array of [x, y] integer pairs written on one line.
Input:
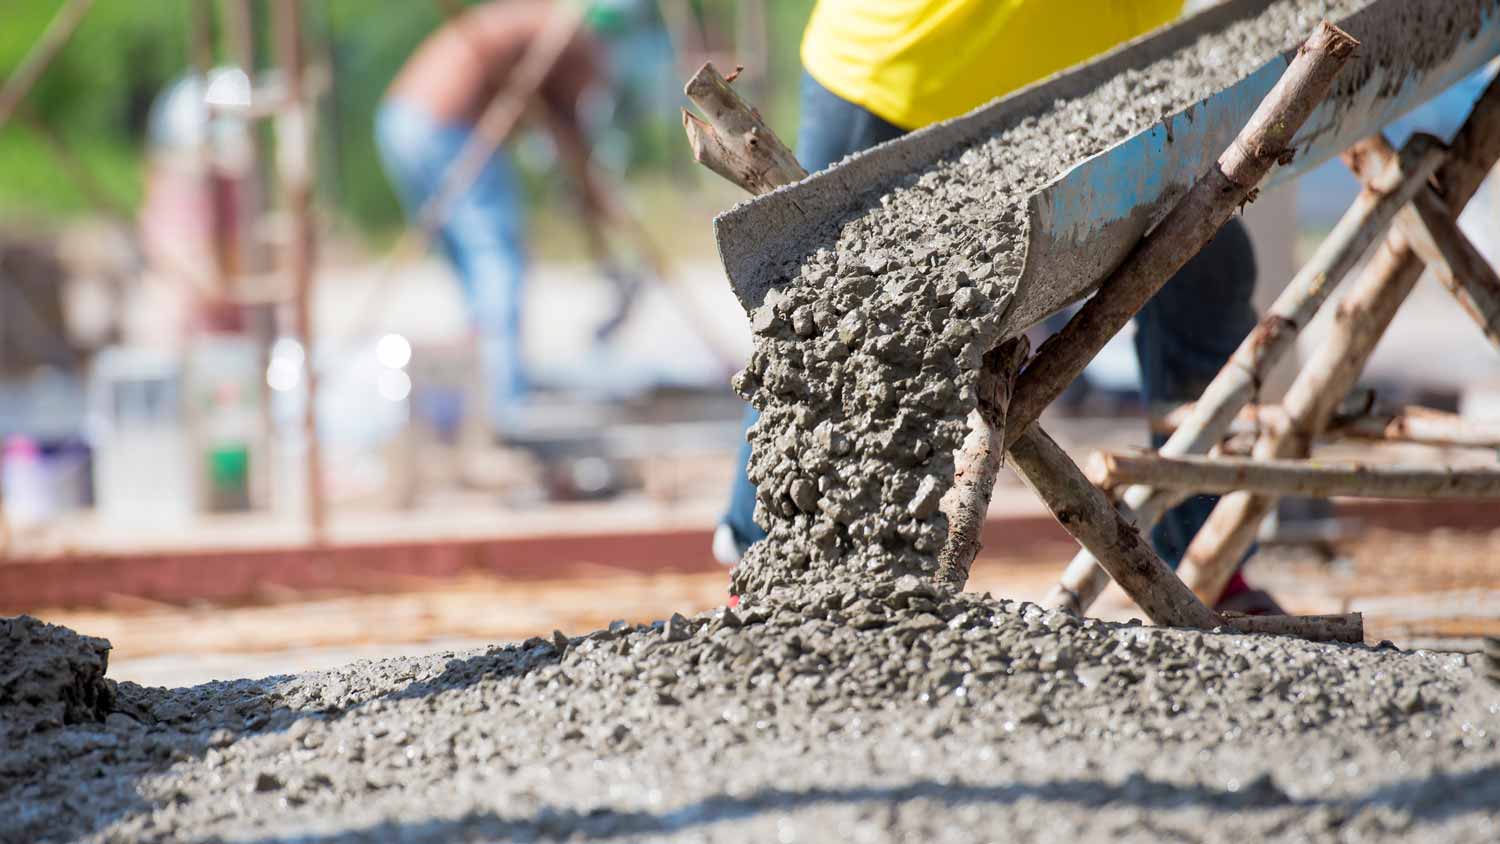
{"points": [[1362, 318], [1348, 628], [1434, 235], [295, 155], [967, 504], [1221, 475], [1456, 263], [1415, 425], [1419, 425], [1090, 517], [1238, 383], [59, 30], [732, 139], [1265, 141]]}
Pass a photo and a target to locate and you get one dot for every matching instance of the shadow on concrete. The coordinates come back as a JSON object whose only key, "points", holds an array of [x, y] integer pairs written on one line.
{"points": [[42, 796], [1427, 799]]}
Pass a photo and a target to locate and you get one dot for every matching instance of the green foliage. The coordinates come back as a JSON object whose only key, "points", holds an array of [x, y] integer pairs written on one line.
{"points": [[98, 92], [95, 95]]}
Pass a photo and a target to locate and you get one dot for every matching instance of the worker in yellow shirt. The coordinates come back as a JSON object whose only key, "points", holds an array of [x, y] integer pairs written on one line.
{"points": [[876, 70]]}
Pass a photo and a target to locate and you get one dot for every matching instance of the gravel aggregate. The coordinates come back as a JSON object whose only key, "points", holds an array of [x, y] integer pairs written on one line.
{"points": [[895, 713], [847, 698]]}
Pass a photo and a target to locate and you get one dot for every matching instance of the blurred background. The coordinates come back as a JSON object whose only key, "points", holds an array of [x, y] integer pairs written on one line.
{"points": [[248, 424]]}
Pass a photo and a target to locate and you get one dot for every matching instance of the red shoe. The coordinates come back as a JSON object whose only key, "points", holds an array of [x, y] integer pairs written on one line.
{"points": [[1240, 597]]}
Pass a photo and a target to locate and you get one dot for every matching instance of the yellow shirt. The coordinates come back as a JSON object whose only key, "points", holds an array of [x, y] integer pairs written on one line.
{"points": [[915, 62]]}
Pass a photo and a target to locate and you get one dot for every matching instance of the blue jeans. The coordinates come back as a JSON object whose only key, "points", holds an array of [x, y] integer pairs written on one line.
{"points": [[1183, 335], [482, 237]]}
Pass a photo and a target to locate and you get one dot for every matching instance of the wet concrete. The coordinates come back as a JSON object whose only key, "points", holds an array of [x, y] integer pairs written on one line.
{"points": [[848, 699], [49, 676], [891, 714]]}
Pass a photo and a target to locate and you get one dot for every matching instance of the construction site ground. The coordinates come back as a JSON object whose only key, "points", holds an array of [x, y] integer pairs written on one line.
{"points": [[1437, 590]]}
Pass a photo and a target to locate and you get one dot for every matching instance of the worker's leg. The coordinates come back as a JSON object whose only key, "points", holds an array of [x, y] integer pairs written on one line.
{"points": [[831, 129], [1183, 337], [482, 238]]}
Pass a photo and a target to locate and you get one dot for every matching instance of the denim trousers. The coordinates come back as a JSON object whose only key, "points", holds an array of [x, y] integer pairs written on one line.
{"points": [[1183, 336], [482, 237]]}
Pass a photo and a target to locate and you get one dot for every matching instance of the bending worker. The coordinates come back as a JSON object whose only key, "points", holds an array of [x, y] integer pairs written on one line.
{"points": [[429, 116], [874, 71]]}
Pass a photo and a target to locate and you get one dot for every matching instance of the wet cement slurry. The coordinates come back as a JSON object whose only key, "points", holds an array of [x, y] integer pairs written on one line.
{"points": [[890, 714], [848, 699]]}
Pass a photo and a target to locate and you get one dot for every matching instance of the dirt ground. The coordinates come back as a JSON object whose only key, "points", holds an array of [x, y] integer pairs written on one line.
{"points": [[1441, 590]]}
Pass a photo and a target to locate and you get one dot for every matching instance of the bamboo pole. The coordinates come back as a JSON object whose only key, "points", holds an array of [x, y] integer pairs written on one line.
{"points": [[1090, 517], [1221, 475], [295, 155], [967, 503], [1238, 382], [1348, 628], [1362, 318], [1265, 141], [59, 30]]}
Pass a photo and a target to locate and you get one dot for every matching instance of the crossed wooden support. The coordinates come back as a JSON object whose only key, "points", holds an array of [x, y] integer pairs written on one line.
{"points": [[734, 141], [1417, 195]]}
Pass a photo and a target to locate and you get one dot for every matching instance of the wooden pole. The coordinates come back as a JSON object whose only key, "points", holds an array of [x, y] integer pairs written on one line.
{"points": [[1237, 384], [732, 139], [1420, 425], [1348, 628], [295, 155], [1221, 475], [1435, 237], [1264, 142], [59, 30], [1412, 424], [1456, 263], [1090, 517], [1362, 318], [979, 462]]}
